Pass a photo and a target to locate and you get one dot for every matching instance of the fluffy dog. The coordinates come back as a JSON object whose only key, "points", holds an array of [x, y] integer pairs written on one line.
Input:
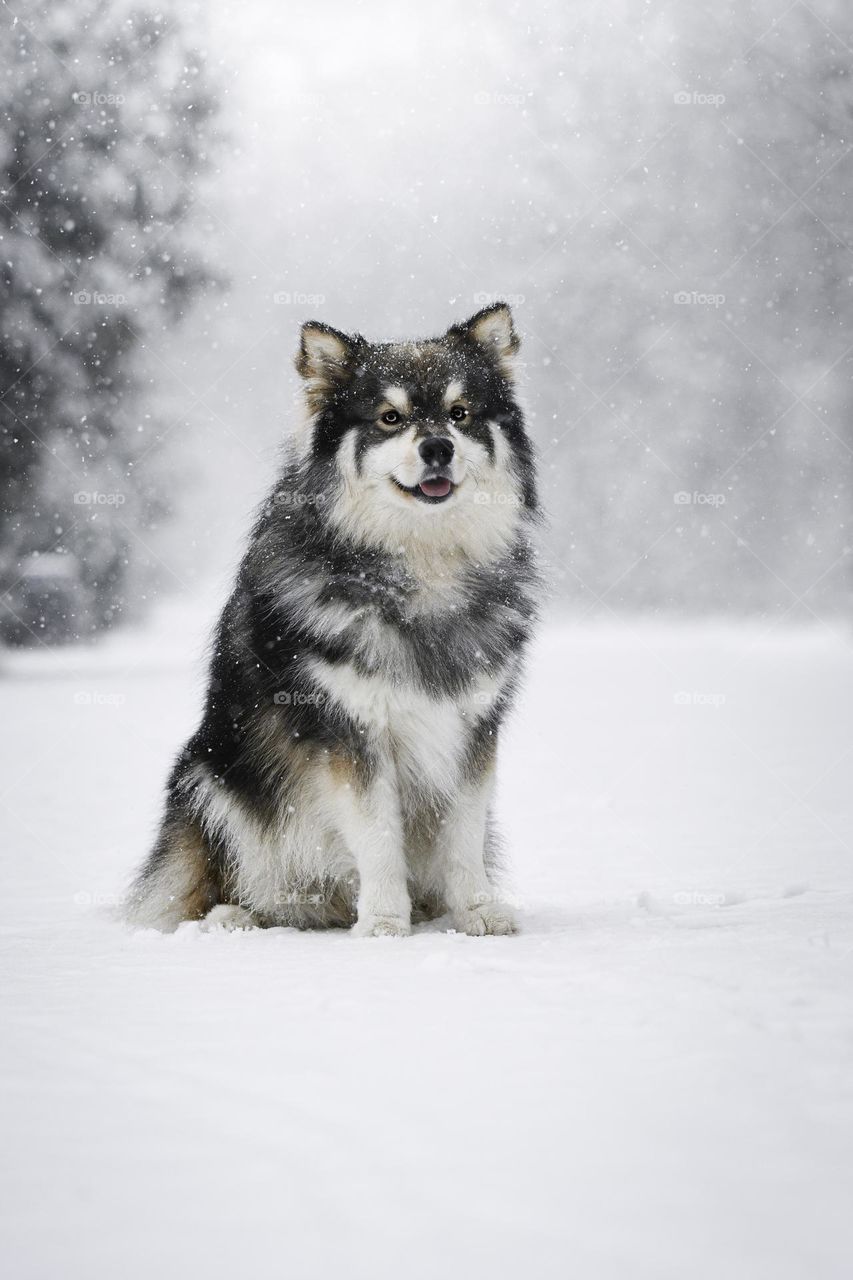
{"points": [[343, 770]]}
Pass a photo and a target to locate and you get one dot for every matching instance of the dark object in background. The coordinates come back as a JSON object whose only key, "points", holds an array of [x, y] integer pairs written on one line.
{"points": [[47, 601]]}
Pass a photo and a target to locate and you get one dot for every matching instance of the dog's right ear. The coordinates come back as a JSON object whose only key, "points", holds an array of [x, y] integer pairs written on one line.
{"points": [[324, 359]]}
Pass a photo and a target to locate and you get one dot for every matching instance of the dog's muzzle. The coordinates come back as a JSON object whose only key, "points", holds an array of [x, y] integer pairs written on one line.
{"points": [[436, 483], [437, 454]]}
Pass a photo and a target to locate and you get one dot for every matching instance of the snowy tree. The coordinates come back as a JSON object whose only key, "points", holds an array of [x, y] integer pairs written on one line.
{"points": [[105, 121]]}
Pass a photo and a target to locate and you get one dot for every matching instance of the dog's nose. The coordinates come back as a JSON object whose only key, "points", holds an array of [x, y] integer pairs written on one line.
{"points": [[436, 451]]}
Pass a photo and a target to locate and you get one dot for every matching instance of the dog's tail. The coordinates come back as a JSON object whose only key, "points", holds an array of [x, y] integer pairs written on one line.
{"points": [[178, 880]]}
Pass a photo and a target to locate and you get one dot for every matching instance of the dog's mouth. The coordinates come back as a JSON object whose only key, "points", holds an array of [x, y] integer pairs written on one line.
{"points": [[430, 489]]}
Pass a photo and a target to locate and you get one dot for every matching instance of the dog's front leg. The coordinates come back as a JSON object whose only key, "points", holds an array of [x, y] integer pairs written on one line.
{"points": [[372, 828], [469, 894]]}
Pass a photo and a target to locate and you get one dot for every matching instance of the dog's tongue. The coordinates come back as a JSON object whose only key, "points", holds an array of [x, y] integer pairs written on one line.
{"points": [[438, 488]]}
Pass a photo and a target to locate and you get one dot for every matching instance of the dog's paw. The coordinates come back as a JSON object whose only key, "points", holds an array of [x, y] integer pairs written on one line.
{"points": [[228, 917], [370, 926], [487, 917]]}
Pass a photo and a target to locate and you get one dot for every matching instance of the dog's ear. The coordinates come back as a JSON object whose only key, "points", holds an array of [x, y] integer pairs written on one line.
{"points": [[494, 333], [325, 359]]}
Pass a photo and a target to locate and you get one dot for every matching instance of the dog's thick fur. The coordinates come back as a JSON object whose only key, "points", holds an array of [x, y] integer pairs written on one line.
{"points": [[342, 773]]}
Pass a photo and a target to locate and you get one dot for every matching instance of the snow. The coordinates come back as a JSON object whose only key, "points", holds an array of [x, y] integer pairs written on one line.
{"points": [[652, 1080]]}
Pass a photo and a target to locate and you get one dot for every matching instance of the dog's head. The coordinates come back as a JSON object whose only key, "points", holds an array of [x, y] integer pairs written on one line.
{"points": [[426, 437]]}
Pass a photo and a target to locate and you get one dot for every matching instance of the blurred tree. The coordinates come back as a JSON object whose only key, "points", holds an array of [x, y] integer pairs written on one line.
{"points": [[105, 119]]}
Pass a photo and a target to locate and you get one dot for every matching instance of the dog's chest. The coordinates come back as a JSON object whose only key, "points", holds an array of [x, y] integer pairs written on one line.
{"points": [[425, 734], [411, 639]]}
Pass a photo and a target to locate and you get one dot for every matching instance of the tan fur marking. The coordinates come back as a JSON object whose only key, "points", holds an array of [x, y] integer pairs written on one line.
{"points": [[191, 847], [454, 392], [397, 398]]}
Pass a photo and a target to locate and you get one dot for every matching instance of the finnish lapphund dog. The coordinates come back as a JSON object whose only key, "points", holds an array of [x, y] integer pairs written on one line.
{"points": [[343, 770]]}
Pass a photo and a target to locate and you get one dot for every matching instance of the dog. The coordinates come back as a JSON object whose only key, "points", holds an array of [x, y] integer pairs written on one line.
{"points": [[343, 771]]}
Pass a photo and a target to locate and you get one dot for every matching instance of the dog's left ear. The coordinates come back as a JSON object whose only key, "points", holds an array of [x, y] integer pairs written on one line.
{"points": [[492, 329]]}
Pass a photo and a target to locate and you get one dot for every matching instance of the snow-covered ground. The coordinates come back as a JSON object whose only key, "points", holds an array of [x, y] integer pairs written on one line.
{"points": [[655, 1079]]}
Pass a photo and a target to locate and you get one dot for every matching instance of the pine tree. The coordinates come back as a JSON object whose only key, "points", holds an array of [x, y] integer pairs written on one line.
{"points": [[106, 114]]}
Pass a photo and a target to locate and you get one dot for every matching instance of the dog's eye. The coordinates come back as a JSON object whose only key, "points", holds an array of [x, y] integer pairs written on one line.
{"points": [[458, 412], [391, 418]]}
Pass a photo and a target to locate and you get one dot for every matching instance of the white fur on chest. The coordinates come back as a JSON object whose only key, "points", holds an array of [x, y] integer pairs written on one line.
{"points": [[426, 735]]}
